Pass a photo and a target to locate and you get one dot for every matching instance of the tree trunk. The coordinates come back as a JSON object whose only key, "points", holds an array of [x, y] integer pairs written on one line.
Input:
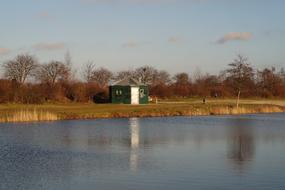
{"points": [[238, 99]]}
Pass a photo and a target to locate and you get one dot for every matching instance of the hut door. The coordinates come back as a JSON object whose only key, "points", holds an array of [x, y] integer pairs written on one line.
{"points": [[135, 95]]}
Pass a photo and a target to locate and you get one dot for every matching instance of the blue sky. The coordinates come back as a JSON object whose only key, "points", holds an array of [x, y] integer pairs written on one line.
{"points": [[174, 35]]}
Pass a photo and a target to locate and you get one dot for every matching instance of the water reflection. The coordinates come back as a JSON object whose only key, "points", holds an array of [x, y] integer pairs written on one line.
{"points": [[134, 133], [149, 153], [135, 141], [241, 143]]}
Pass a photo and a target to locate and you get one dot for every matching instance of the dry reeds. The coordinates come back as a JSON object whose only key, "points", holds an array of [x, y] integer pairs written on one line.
{"points": [[229, 110], [29, 116]]}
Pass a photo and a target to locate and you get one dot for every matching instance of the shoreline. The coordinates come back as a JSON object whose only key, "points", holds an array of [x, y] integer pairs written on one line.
{"points": [[268, 109], [55, 112]]}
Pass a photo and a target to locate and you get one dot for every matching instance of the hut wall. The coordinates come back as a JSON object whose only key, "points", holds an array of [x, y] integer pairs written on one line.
{"points": [[144, 93], [120, 94]]}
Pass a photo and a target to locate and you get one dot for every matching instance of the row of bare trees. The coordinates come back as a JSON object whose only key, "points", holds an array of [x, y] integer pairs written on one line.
{"points": [[28, 81], [25, 66]]}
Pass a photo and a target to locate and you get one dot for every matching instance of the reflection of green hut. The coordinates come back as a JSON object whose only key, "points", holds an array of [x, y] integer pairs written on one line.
{"points": [[128, 91]]}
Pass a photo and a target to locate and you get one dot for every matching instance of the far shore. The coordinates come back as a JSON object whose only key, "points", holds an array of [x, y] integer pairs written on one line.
{"points": [[164, 108]]}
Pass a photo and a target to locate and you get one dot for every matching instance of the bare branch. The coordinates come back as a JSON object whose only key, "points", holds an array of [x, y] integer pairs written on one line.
{"points": [[20, 68]]}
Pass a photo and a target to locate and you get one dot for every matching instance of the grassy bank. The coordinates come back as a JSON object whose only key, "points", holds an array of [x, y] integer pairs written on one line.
{"points": [[186, 107]]}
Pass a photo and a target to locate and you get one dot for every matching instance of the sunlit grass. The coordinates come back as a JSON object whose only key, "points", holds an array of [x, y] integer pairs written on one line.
{"points": [[183, 107]]}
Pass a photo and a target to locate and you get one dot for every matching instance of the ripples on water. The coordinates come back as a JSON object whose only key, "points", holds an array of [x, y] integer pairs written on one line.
{"points": [[222, 152]]}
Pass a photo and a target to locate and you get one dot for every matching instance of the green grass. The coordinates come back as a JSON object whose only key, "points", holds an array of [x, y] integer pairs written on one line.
{"points": [[173, 107], [280, 102]]}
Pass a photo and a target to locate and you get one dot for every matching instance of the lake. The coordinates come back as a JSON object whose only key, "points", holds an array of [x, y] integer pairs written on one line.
{"points": [[173, 153]]}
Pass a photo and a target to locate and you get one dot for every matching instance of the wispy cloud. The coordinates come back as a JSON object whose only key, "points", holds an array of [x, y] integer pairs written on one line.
{"points": [[49, 46], [174, 39], [235, 36], [130, 44], [4, 51], [44, 15]]}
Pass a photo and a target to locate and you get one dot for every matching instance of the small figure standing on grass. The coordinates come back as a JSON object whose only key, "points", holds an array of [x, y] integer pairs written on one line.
{"points": [[204, 100]]}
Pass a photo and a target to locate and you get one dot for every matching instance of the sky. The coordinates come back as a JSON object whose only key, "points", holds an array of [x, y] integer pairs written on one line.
{"points": [[172, 35]]}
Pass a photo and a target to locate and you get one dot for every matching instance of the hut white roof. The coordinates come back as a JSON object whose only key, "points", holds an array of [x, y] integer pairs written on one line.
{"points": [[127, 82]]}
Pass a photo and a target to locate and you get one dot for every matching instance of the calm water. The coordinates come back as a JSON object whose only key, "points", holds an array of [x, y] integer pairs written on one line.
{"points": [[224, 152]]}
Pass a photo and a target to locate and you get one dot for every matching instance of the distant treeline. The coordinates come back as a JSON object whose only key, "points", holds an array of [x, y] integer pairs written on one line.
{"points": [[26, 80]]}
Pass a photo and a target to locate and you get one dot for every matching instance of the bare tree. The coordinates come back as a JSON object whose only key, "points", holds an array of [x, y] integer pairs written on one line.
{"points": [[282, 74], [124, 74], [240, 74], [88, 71], [207, 85], [20, 68], [102, 76], [182, 85], [270, 82], [197, 75], [161, 77], [145, 74], [68, 65], [52, 72], [181, 79], [68, 59]]}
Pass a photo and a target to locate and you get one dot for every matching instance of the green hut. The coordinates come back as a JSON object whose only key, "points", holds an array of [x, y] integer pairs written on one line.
{"points": [[128, 91]]}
